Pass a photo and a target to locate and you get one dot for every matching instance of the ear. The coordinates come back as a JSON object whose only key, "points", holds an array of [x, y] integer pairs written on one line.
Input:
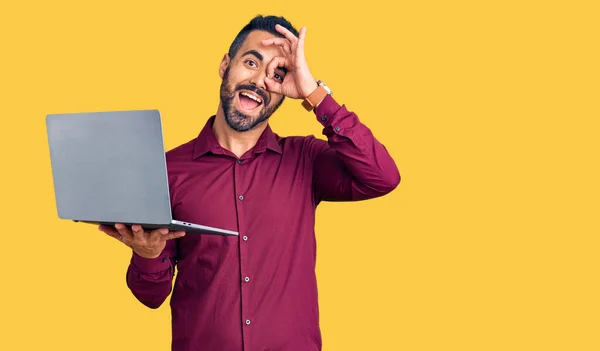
{"points": [[223, 65]]}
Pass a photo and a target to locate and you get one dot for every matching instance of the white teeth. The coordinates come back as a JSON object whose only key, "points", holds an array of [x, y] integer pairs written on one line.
{"points": [[253, 97]]}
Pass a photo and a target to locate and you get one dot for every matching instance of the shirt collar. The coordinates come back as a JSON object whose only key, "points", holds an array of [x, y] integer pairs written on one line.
{"points": [[207, 141]]}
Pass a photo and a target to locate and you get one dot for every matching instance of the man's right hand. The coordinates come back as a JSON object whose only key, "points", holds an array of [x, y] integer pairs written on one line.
{"points": [[145, 244]]}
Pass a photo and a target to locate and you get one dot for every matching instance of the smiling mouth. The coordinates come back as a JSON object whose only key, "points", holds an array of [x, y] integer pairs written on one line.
{"points": [[249, 101]]}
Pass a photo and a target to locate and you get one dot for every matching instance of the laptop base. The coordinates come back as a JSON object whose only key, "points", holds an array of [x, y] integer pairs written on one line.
{"points": [[176, 226]]}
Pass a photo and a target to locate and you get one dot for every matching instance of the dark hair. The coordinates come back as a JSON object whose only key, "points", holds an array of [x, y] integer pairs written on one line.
{"points": [[266, 23]]}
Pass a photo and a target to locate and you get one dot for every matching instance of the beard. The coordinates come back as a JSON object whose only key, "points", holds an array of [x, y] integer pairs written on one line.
{"points": [[237, 120]]}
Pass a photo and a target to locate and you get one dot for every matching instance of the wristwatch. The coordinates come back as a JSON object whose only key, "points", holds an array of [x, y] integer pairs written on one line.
{"points": [[316, 96]]}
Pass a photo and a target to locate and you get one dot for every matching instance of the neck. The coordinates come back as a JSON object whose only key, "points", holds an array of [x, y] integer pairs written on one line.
{"points": [[236, 142]]}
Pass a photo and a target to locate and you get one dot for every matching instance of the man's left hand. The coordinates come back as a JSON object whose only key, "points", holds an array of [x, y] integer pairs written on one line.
{"points": [[298, 82]]}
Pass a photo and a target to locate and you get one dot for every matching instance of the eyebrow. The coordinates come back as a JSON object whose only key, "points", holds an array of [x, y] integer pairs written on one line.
{"points": [[254, 53], [260, 57]]}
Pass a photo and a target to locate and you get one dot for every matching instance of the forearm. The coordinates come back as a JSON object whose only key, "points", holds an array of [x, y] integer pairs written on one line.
{"points": [[362, 165], [150, 280]]}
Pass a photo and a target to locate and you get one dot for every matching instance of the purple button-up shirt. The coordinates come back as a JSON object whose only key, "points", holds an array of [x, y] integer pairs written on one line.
{"points": [[258, 291]]}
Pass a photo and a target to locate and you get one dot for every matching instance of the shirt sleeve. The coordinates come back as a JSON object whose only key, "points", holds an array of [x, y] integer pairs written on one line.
{"points": [[150, 280], [352, 164]]}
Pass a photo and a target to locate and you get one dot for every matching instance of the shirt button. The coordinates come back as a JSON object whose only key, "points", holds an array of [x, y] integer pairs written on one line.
{"points": [[247, 322], [245, 238], [323, 118], [247, 279], [337, 129], [239, 161], [241, 197]]}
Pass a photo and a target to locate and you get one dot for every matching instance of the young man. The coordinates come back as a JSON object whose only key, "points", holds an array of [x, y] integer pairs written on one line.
{"points": [[257, 291]]}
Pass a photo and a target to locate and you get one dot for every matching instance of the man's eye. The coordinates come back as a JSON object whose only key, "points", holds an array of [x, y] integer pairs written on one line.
{"points": [[251, 63], [278, 77]]}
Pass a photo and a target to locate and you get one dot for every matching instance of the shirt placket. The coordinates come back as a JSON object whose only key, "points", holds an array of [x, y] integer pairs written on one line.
{"points": [[243, 249]]}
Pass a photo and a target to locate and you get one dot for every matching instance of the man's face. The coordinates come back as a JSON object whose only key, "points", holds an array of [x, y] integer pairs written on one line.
{"points": [[244, 96]]}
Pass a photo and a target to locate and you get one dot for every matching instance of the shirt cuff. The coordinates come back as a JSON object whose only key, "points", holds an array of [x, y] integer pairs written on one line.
{"points": [[150, 265], [326, 110]]}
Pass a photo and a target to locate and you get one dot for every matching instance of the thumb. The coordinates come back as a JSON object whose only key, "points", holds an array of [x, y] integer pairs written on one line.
{"points": [[273, 86]]}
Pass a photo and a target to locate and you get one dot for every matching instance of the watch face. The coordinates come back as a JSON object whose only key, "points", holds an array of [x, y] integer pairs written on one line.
{"points": [[324, 86]]}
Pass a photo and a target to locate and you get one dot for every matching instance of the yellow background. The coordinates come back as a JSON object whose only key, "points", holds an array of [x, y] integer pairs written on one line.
{"points": [[490, 109]]}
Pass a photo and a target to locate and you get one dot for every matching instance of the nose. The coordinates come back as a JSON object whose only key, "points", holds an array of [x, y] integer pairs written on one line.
{"points": [[258, 80]]}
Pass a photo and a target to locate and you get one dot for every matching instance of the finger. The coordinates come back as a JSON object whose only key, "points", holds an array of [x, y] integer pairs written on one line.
{"points": [[276, 62], [157, 233], [273, 86], [111, 231], [300, 46], [124, 231], [283, 43], [286, 33], [173, 235], [137, 230]]}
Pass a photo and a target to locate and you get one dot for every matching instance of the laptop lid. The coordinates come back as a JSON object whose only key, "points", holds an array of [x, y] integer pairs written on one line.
{"points": [[109, 167]]}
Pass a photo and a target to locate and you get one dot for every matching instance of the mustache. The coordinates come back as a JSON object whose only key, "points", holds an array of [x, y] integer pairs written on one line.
{"points": [[255, 90]]}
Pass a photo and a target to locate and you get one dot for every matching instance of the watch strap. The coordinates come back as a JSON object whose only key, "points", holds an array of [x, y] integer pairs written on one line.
{"points": [[314, 98]]}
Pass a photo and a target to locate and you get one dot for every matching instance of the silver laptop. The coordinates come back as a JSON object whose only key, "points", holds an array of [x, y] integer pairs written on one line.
{"points": [[110, 167]]}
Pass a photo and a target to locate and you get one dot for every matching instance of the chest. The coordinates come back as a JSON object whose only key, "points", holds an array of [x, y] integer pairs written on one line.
{"points": [[258, 194]]}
